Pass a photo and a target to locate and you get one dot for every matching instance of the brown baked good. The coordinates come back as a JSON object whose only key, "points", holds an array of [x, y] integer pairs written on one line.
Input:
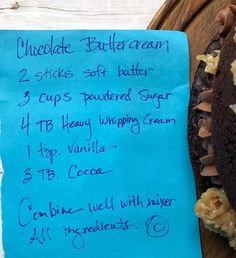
{"points": [[212, 131], [224, 118]]}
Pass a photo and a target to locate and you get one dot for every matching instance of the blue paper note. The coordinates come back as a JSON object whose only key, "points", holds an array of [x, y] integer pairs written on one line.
{"points": [[94, 145]]}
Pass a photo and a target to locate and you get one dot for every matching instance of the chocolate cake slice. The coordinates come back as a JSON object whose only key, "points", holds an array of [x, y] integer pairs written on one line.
{"points": [[201, 146], [212, 131], [224, 118]]}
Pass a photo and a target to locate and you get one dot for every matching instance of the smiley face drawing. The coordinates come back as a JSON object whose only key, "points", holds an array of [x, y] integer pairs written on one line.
{"points": [[157, 226]]}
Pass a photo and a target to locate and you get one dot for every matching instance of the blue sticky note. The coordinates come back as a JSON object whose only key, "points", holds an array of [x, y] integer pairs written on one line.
{"points": [[94, 145]]}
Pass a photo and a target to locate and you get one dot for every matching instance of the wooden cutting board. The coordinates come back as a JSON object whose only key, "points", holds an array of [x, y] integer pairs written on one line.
{"points": [[197, 19]]}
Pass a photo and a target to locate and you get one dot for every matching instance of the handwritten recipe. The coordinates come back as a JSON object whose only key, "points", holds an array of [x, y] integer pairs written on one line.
{"points": [[94, 148]]}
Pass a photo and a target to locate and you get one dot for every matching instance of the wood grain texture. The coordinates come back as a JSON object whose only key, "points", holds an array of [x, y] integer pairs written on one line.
{"points": [[77, 14], [197, 19]]}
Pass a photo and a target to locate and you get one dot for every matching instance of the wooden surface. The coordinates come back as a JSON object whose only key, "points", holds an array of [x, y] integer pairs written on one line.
{"points": [[197, 19], [77, 14]]}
